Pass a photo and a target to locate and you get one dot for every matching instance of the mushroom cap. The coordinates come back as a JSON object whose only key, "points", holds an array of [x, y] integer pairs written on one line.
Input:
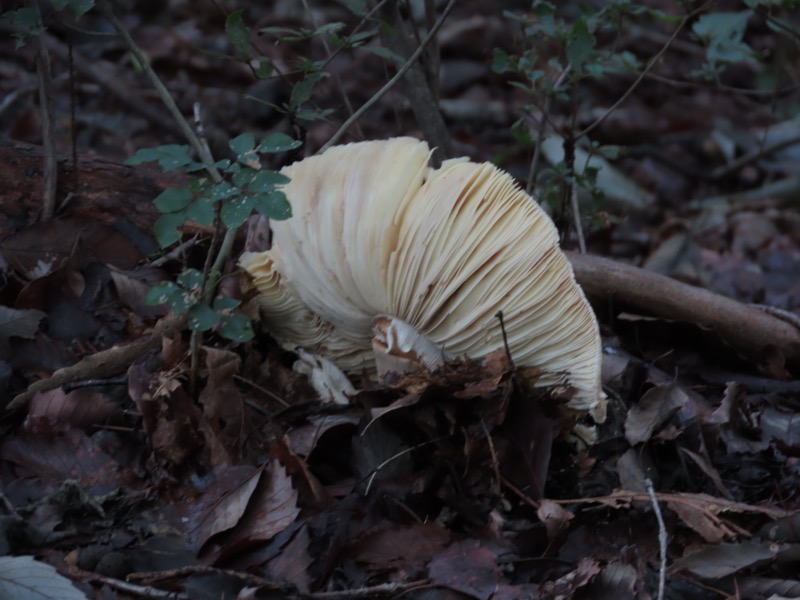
{"points": [[376, 232]]}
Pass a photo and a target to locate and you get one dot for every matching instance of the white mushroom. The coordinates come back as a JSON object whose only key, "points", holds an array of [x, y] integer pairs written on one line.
{"points": [[376, 232]]}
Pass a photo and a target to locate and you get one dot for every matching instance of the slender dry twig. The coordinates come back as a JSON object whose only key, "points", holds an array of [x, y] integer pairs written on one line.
{"points": [[101, 72], [132, 589], [380, 589], [419, 83], [576, 215], [662, 539], [47, 112], [105, 363], [163, 94], [190, 135], [391, 83], [651, 63], [753, 156], [537, 153], [786, 190]]}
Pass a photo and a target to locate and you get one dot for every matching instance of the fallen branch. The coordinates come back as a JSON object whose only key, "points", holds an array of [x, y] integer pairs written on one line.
{"points": [[751, 331], [105, 363]]}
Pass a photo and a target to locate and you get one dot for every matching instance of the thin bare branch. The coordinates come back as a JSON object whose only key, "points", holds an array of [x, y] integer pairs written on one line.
{"points": [[393, 81]]}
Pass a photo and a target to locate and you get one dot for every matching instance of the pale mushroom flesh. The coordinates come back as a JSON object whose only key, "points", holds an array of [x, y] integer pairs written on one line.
{"points": [[376, 232]]}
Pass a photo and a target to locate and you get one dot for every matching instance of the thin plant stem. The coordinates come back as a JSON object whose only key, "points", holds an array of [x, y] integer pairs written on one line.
{"points": [[393, 81]]}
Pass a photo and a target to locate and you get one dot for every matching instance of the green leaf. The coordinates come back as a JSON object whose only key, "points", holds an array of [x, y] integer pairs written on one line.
{"points": [[328, 28], [243, 144], [202, 317], [579, 44], [723, 32], [173, 199], [164, 292], [243, 177], [386, 54], [191, 279], [313, 115], [238, 33], [77, 7], [264, 67], [223, 190], [544, 9], [23, 17], [358, 7], [359, 39], [80, 7], [273, 205], [170, 294], [170, 156], [225, 303], [286, 34], [721, 25], [303, 90], [278, 142], [266, 181], [194, 166], [235, 212], [522, 133], [664, 17], [501, 61], [201, 211], [611, 152], [236, 327], [166, 228]]}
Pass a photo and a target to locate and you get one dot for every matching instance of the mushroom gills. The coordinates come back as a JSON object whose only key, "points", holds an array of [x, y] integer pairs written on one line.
{"points": [[380, 241]]}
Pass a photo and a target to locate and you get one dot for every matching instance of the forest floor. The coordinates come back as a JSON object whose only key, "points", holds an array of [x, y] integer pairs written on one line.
{"points": [[132, 485]]}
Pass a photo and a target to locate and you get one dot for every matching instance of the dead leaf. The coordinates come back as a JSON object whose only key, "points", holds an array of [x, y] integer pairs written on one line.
{"points": [[655, 408], [132, 288], [19, 323], [80, 408], [222, 404], [293, 563], [567, 585], [706, 523], [468, 568], [406, 549], [270, 510], [631, 472], [554, 517], [223, 504], [721, 560], [617, 580], [782, 426]]}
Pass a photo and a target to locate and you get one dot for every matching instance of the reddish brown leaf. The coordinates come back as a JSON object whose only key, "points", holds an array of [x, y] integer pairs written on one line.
{"points": [[655, 408], [271, 509], [293, 562], [222, 404], [468, 568], [68, 455], [222, 506], [567, 585], [406, 549], [80, 408], [720, 560], [707, 524]]}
